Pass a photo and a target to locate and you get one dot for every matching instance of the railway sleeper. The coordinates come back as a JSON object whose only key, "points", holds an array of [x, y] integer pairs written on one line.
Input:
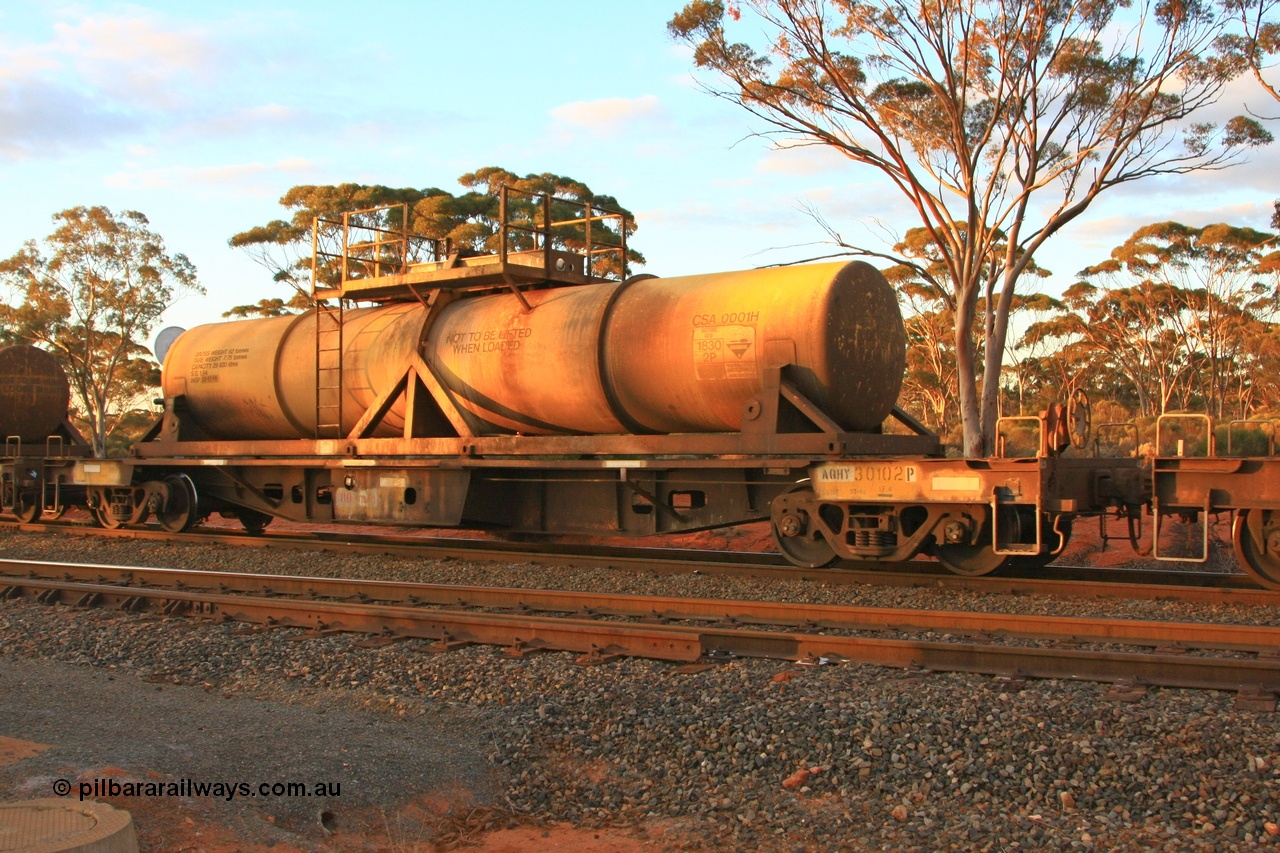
{"points": [[1255, 699]]}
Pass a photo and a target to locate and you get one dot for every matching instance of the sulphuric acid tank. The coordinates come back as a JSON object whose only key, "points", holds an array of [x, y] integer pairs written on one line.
{"points": [[647, 355], [256, 379], [34, 393]]}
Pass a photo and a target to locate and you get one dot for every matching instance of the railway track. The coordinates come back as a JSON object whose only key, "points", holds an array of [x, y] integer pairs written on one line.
{"points": [[1133, 654], [1191, 586]]}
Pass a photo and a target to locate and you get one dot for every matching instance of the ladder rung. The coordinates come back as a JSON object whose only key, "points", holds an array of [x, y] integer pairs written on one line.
{"points": [[328, 373]]}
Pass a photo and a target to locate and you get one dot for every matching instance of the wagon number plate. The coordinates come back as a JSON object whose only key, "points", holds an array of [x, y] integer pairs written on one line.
{"points": [[869, 473]]}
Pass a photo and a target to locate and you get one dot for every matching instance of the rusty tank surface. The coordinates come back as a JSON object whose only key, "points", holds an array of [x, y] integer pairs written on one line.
{"points": [[34, 393], [667, 355], [647, 355], [256, 379]]}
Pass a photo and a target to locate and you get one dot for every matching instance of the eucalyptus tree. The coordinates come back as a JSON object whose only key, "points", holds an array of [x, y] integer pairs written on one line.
{"points": [[1119, 332], [999, 121], [1226, 280], [91, 294], [1254, 41], [1185, 315], [932, 377]]}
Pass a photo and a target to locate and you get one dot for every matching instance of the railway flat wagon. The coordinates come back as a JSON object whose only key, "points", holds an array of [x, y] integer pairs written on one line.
{"points": [[524, 391]]}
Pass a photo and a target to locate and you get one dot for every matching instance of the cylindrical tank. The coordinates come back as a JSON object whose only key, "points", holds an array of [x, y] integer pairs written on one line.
{"points": [[647, 355], [676, 354], [685, 354], [256, 379], [34, 393]]}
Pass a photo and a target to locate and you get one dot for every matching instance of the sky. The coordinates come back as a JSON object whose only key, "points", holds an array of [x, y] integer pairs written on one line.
{"points": [[201, 115]]}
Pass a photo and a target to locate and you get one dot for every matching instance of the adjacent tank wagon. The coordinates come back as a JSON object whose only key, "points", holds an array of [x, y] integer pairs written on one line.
{"points": [[41, 445]]}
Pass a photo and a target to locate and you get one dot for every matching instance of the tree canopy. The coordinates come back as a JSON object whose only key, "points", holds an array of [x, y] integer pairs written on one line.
{"points": [[467, 221], [1177, 318], [1256, 40], [92, 293], [999, 122]]}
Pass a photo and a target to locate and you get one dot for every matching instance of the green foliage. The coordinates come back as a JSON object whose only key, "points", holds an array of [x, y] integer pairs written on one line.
{"points": [[91, 294], [438, 219], [262, 308], [1253, 41], [1254, 438]]}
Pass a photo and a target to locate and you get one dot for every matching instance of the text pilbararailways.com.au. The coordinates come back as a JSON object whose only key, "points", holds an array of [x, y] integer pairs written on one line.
{"points": [[225, 790]]}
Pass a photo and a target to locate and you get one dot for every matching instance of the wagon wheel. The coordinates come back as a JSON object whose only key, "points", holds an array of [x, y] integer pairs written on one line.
{"points": [[1260, 559], [27, 507], [181, 511], [799, 540], [101, 511], [103, 516], [254, 522], [971, 560]]}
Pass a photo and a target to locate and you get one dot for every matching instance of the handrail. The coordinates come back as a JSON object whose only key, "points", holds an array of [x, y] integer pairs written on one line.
{"points": [[1271, 433], [1129, 425], [1041, 450], [1211, 442], [370, 248], [592, 247]]}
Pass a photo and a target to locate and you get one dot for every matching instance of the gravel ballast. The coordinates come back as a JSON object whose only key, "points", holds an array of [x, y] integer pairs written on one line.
{"points": [[745, 753]]}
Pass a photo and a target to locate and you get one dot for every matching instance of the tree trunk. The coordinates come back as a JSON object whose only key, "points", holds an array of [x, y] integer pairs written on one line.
{"points": [[997, 333], [966, 378]]}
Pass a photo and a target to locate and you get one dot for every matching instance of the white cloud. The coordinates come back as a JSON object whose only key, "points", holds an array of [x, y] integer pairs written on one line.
{"points": [[250, 119], [607, 116], [802, 160], [97, 78], [137, 58], [244, 177], [41, 117]]}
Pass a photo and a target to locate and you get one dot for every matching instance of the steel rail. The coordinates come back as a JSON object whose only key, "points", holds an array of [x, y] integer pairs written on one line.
{"points": [[600, 640], [1182, 635], [1084, 582], [533, 632]]}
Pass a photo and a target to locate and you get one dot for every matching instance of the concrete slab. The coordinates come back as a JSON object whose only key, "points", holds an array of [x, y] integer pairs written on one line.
{"points": [[52, 825]]}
